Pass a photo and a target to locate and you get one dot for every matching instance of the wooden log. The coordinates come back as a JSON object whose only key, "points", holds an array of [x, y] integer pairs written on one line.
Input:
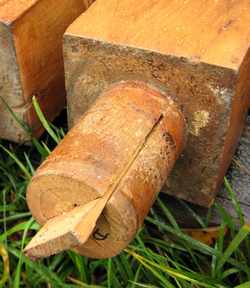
{"points": [[121, 150], [31, 60], [195, 50]]}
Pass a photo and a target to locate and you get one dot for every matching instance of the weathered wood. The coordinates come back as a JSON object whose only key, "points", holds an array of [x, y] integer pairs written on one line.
{"points": [[31, 60], [197, 51], [239, 178], [121, 150]]}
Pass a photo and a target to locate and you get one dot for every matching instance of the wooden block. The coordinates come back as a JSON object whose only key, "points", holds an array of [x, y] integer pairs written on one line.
{"points": [[197, 51], [31, 60]]}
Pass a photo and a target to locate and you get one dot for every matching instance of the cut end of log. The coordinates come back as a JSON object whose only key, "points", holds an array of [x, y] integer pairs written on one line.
{"points": [[66, 231]]}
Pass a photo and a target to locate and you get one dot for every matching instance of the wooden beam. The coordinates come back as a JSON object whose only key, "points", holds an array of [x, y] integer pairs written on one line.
{"points": [[198, 51], [31, 60]]}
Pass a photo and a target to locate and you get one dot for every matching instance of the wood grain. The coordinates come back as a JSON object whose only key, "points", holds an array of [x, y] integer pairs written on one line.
{"points": [[31, 60], [214, 32], [66, 231]]}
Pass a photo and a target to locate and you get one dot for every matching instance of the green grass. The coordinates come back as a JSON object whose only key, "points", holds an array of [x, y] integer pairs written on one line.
{"points": [[160, 256]]}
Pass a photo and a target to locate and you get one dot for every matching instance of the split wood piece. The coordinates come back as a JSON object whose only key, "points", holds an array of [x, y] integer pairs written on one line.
{"points": [[123, 148], [195, 50], [66, 231], [31, 60]]}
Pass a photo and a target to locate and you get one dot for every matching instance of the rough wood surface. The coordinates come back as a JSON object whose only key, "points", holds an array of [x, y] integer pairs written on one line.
{"points": [[31, 60], [179, 47], [239, 178], [123, 147]]}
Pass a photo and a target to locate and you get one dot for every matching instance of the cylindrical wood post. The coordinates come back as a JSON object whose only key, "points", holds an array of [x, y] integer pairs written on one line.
{"points": [[121, 150]]}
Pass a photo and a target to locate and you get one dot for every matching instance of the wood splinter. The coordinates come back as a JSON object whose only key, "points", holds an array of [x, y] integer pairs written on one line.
{"points": [[111, 165], [66, 231]]}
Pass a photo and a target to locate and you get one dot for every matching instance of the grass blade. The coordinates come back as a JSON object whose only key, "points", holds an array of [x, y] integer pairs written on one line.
{"points": [[18, 162], [44, 121], [20, 262], [233, 246]]}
